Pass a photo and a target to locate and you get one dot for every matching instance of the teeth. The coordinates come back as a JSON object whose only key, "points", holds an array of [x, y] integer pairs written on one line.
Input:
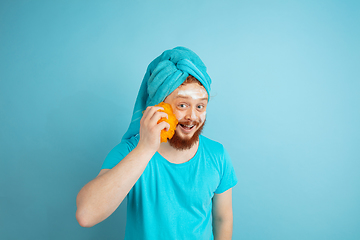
{"points": [[188, 126]]}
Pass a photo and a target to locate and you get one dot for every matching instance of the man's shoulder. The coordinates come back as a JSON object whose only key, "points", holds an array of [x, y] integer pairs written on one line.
{"points": [[128, 144], [211, 145]]}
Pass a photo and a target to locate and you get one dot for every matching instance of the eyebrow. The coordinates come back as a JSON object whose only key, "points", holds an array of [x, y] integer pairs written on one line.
{"points": [[187, 97]]}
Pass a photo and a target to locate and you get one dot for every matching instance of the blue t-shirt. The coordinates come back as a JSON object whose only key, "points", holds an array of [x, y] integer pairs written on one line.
{"points": [[174, 201]]}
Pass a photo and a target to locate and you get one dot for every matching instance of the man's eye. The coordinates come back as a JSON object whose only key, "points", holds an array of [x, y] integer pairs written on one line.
{"points": [[200, 107], [182, 105]]}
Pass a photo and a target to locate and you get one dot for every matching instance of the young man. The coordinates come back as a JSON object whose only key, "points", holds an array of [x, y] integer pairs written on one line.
{"points": [[180, 189]]}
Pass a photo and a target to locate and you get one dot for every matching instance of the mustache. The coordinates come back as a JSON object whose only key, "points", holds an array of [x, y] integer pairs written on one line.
{"points": [[196, 123]]}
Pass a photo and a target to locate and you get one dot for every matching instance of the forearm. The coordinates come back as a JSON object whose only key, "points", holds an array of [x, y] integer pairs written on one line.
{"points": [[222, 229], [100, 197]]}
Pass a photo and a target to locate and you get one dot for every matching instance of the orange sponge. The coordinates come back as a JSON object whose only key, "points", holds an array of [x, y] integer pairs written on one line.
{"points": [[165, 135]]}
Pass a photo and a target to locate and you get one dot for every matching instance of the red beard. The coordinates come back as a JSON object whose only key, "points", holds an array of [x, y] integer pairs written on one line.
{"points": [[180, 143]]}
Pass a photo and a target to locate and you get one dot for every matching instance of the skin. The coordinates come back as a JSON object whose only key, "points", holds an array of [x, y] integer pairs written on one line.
{"points": [[98, 199], [222, 215]]}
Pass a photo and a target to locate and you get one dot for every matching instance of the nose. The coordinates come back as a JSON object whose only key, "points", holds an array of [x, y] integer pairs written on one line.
{"points": [[191, 114]]}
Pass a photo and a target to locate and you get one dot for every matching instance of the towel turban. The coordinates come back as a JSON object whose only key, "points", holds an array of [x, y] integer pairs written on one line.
{"points": [[164, 74]]}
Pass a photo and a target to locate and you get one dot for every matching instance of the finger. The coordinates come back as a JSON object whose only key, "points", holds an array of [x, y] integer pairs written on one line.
{"points": [[157, 116], [150, 111], [167, 127], [162, 125], [153, 121]]}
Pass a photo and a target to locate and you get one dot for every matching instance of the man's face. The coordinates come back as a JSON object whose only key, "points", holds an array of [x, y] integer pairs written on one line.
{"points": [[189, 103]]}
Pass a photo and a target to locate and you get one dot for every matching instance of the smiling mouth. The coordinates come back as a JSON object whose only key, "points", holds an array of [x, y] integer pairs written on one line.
{"points": [[187, 127]]}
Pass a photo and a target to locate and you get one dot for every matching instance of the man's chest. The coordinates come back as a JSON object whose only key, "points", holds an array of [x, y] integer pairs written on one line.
{"points": [[192, 185]]}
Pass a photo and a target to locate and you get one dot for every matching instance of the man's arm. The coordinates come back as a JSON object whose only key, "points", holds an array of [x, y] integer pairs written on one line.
{"points": [[98, 199], [222, 215]]}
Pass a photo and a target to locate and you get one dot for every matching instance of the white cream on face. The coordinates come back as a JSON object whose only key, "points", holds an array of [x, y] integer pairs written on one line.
{"points": [[202, 117], [193, 93], [193, 114], [194, 117]]}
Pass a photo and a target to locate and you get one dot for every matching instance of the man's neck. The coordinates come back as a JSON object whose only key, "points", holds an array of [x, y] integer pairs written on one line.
{"points": [[177, 156]]}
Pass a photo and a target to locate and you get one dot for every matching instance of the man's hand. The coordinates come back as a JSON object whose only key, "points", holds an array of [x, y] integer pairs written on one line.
{"points": [[150, 130], [98, 199]]}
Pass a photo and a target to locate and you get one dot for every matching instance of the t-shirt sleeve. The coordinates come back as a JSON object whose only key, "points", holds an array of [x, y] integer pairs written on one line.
{"points": [[119, 152], [228, 176]]}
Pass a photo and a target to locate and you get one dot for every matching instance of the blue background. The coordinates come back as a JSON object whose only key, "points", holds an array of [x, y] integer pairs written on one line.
{"points": [[285, 103]]}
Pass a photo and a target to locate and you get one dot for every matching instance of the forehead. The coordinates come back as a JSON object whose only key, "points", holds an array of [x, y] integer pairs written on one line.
{"points": [[190, 90]]}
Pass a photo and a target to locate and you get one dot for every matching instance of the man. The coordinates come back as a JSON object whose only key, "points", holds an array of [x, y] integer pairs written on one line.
{"points": [[180, 189]]}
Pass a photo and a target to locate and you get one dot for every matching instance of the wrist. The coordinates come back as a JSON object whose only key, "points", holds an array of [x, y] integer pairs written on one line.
{"points": [[145, 151]]}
